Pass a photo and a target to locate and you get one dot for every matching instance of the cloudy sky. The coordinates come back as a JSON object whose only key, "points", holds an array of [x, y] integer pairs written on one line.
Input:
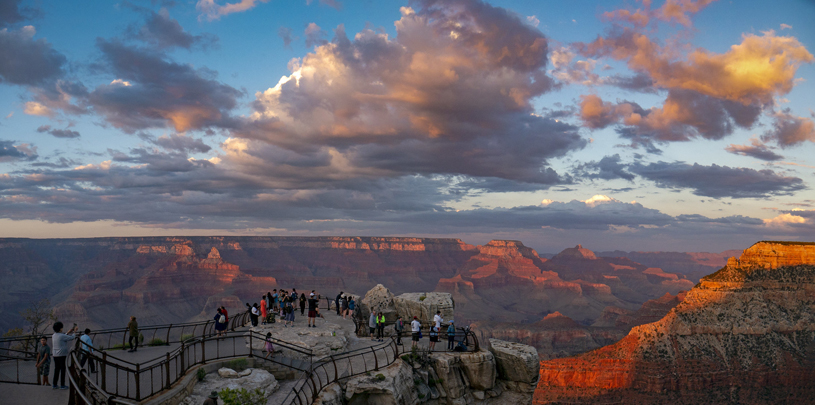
{"points": [[634, 125]]}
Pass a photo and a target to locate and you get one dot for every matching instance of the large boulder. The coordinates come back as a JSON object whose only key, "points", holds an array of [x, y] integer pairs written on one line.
{"points": [[251, 379], [324, 340], [425, 305], [515, 361], [460, 371], [392, 385], [378, 299]]}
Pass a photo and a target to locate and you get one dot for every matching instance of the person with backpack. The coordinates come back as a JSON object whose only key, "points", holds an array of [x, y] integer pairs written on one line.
{"points": [[451, 336], [399, 326], [220, 323], [289, 309], [434, 337], [337, 302]]}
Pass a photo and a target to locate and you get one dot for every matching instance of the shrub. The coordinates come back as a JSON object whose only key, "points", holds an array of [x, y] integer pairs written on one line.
{"points": [[187, 336], [156, 342], [422, 298], [242, 397], [380, 377], [118, 347], [237, 364], [201, 374]]}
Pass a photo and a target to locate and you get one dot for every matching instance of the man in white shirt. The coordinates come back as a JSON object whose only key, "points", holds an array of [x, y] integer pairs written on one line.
{"points": [[60, 353], [438, 320], [415, 328]]}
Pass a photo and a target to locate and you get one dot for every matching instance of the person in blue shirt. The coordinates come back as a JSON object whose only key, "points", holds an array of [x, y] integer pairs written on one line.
{"points": [[87, 350], [451, 336]]}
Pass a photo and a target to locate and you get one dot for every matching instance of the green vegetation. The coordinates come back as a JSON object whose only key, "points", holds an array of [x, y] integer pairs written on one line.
{"points": [[242, 397], [380, 377], [119, 346], [156, 342], [237, 364], [201, 374], [187, 336]]}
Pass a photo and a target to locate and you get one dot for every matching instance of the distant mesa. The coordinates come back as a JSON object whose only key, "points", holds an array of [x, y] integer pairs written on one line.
{"points": [[577, 252]]}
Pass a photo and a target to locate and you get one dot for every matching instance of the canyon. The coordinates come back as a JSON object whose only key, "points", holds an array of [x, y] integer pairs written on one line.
{"points": [[744, 334], [99, 282]]}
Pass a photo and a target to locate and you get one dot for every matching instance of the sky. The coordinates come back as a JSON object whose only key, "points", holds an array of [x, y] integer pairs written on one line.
{"points": [[678, 125]]}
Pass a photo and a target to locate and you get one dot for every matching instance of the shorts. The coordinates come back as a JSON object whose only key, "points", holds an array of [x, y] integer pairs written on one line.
{"points": [[45, 369], [372, 330], [434, 338], [415, 336], [312, 314]]}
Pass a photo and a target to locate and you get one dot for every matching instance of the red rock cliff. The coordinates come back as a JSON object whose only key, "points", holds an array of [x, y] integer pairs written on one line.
{"points": [[745, 334]]}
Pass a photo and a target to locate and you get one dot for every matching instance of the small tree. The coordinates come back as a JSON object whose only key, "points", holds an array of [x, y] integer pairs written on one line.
{"points": [[40, 314]]}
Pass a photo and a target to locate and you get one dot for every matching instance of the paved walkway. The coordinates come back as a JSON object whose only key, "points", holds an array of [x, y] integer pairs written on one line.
{"points": [[152, 380]]}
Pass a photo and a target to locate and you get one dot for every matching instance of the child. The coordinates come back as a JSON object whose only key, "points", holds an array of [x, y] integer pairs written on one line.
{"points": [[269, 347], [43, 361]]}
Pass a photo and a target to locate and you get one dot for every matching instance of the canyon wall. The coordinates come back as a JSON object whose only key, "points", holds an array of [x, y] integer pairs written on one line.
{"points": [[745, 334]]}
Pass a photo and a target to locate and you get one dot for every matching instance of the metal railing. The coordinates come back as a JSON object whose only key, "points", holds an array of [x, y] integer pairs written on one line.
{"points": [[110, 338]]}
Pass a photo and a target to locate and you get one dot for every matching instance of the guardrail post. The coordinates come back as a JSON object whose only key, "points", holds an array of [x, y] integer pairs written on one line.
{"points": [[183, 349], [138, 385], [251, 355], [203, 351], [167, 342], [167, 370], [376, 360], [104, 370]]}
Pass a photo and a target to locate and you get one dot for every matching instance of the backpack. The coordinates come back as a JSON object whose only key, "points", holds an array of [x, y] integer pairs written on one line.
{"points": [[222, 319], [460, 347]]}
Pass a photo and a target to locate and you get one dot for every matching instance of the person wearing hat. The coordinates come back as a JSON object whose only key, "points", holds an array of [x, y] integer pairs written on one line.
{"points": [[212, 399], [451, 336], [312, 310]]}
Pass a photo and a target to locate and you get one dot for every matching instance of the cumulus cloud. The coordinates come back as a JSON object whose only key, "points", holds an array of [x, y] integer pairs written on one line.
{"points": [[449, 95], [719, 181], [314, 35], [10, 152], [12, 12], [59, 133], [210, 10], [784, 220], [790, 130], [162, 31], [151, 91], [28, 61], [756, 149]]}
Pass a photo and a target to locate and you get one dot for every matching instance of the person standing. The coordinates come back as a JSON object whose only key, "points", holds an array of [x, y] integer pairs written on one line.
{"points": [[451, 336], [416, 331], [226, 314], [263, 313], [434, 337], [344, 306], [133, 328], [312, 310], [302, 304], [380, 326], [372, 324], [268, 345], [43, 361], [274, 300], [400, 327], [220, 323], [60, 353], [253, 315], [351, 306], [438, 320], [87, 347], [337, 302]]}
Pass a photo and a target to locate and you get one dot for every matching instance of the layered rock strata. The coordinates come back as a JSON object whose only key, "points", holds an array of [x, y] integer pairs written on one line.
{"points": [[745, 334]]}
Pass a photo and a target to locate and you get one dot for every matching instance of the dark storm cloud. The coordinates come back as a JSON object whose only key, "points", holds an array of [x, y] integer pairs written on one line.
{"points": [[61, 163], [151, 91], [608, 168], [719, 181], [28, 61], [11, 12], [639, 82], [11, 152], [756, 149], [162, 32], [59, 133]]}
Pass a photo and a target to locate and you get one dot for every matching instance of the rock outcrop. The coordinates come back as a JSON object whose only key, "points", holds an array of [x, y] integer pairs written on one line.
{"points": [[744, 335], [249, 379]]}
